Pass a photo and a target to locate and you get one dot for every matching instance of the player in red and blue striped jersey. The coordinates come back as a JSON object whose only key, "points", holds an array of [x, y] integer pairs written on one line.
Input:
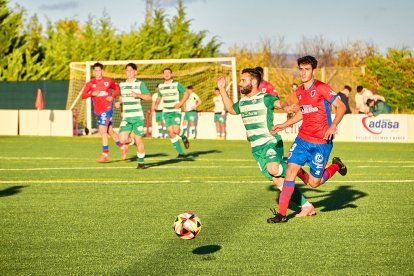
{"points": [[99, 89], [313, 144]]}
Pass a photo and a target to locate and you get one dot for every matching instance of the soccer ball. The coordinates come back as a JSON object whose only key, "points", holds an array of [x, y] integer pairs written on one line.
{"points": [[187, 225]]}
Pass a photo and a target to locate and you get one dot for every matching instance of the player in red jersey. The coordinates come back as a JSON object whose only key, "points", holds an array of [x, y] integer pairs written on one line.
{"points": [[265, 86], [99, 88], [313, 144]]}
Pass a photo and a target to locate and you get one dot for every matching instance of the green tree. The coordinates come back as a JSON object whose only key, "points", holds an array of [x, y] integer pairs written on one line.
{"points": [[392, 77]]}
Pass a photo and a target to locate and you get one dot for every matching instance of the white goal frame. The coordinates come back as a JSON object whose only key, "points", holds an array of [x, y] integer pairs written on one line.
{"points": [[88, 65]]}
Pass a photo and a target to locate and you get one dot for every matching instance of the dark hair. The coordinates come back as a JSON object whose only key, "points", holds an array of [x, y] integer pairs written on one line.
{"points": [[369, 101], [132, 65], [359, 88], [167, 68], [190, 87], [216, 88], [98, 64], [308, 60], [254, 73], [347, 87], [294, 84], [260, 69]]}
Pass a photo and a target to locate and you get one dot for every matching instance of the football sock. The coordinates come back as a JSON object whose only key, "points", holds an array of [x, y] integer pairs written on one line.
{"points": [[140, 157], [160, 131], [192, 131], [329, 172], [183, 131], [119, 144], [303, 175], [105, 149], [285, 195], [297, 197], [164, 132], [177, 145]]}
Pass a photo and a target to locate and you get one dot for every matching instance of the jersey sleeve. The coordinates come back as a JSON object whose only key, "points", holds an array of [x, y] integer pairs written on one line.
{"points": [[115, 87], [269, 101], [86, 90], [328, 93], [144, 88], [236, 108], [181, 88], [159, 93]]}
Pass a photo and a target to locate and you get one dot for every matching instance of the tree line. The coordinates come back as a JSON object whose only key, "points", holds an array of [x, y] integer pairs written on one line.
{"points": [[29, 52]]}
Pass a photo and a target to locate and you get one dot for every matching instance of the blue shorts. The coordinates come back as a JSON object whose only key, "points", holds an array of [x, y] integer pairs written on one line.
{"points": [[315, 155], [105, 118]]}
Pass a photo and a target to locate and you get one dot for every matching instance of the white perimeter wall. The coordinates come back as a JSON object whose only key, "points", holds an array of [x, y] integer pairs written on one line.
{"points": [[354, 127], [36, 122]]}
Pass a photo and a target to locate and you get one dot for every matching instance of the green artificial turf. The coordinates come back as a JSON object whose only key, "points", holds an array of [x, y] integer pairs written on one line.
{"points": [[63, 213]]}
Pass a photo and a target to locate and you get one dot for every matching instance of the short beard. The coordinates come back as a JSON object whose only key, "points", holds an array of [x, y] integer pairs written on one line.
{"points": [[246, 90]]}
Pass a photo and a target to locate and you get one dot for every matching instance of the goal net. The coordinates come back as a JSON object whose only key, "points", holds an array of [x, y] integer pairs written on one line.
{"points": [[201, 73]]}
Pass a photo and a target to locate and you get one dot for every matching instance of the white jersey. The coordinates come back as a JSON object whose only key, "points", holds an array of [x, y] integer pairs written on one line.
{"points": [[218, 104], [154, 99], [132, 107], [190, 104]]}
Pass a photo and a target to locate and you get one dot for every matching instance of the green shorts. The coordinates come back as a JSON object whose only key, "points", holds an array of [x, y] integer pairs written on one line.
{"points": [[272, 152], [136, 125], [218, 118], [172, 118], [190, 116], [158, 116]]}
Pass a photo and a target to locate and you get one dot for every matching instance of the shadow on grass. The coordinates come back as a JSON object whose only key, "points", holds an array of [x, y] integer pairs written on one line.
{"points": [[11, 191], [207, 249], [188, 157], [135, 158], [341, 198]]}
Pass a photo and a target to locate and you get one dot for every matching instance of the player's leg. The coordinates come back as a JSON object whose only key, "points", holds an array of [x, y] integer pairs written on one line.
{"points": [[177, 120], [103, 123], [123, 147], [158, 120], [138, 130], [172, 128], [192, 128], [218, 129], [319, 174], [184, 128], [297, 158]]}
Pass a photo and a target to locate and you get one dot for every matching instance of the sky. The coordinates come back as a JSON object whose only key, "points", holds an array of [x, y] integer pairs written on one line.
{"points": [[384, 23]]}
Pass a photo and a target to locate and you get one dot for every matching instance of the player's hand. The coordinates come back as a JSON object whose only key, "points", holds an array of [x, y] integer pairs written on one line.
{"points": [[277, 128], [177, 106], [109, 98], [221, 82], [117, 104], [329, 134]]}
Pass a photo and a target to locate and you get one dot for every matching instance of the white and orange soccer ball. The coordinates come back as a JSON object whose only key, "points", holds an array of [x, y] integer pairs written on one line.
{"points": [[187, 225]]}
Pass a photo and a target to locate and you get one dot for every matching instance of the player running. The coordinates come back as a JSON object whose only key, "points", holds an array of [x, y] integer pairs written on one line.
{"points": [[256, 109], [99, 89], [314, 142], [190, 115], [169, 94], [133, 91]]}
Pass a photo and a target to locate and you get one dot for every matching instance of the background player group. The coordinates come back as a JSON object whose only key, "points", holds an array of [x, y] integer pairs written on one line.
{"points": [[171, 94]]}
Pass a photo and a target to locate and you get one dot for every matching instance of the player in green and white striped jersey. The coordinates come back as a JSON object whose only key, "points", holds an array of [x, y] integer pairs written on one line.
{"points": [[133, 91], [256, 109], [169, 93]]}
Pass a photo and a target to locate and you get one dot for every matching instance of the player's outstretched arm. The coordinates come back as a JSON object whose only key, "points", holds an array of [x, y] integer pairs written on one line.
{"points": [[287, 123], [228, 103]]}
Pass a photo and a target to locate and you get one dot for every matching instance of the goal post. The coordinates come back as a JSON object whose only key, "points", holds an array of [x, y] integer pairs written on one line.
{"points": [[201, 73]]}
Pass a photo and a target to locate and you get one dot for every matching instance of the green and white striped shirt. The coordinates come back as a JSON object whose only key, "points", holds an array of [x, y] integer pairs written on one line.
{"points": [[132, 106], [170, 94], [257, 116]]}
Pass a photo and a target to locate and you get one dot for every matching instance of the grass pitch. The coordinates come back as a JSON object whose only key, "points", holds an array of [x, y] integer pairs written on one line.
{"points": [[63, 213]]}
